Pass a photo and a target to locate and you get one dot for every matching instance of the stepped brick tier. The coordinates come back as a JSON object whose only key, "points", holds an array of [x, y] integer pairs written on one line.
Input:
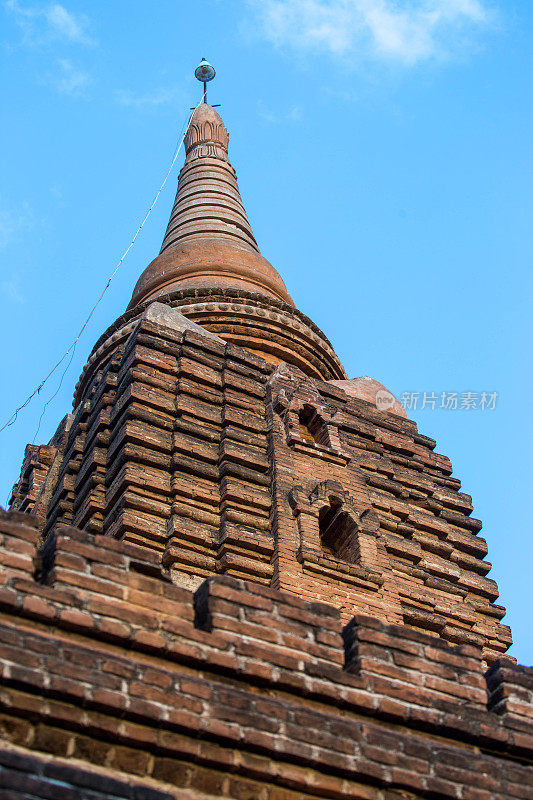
{"points": [[234, 572], [225, 463]]}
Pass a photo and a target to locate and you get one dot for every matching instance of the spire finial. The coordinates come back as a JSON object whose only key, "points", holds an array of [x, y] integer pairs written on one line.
{"points": [[204, 72]]}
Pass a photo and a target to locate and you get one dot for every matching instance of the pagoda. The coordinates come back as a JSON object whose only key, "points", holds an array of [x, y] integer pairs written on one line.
{"points": [[236, 572]]}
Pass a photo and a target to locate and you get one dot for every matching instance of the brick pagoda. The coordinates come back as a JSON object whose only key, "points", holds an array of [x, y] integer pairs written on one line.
{"points": [[234, 572]]}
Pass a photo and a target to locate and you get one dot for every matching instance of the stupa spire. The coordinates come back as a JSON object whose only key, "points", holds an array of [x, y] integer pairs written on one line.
{"points": [[210, 266], [208, 201], [209, 240]]}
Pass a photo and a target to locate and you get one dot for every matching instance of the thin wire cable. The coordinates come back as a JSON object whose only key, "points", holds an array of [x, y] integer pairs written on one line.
{"points": [[12, 419], [54, 394]]}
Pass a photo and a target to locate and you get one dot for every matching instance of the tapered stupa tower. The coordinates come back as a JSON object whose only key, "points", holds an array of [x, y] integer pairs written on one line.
{"points": [[208, 242], [211, 268], [240, 574]]}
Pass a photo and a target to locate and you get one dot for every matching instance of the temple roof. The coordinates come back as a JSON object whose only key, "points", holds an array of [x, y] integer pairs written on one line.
{"points": [[209, 240]]}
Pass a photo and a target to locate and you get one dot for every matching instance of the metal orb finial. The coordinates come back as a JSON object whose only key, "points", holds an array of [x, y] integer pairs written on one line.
{"points": [[204, 71]]}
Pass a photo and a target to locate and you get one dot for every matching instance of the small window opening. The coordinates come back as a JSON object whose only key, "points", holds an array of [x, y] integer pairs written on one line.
{"points": [[311, 427], [337, 532]]}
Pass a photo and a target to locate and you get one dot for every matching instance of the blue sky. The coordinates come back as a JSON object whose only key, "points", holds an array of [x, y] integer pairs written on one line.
{"points": [[384, 157]]}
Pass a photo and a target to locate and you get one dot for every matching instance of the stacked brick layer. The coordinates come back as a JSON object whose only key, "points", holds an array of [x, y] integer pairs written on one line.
{"points": [[117, 683], [224, 464]]}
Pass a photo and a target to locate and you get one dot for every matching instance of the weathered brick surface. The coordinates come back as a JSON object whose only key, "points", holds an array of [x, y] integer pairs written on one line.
{"points": [[236, 690], [204, 452], [511, 690], [415, 555]]}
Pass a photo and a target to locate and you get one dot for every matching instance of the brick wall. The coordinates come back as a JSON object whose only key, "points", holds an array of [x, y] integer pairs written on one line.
{"points": [[236, 690]]}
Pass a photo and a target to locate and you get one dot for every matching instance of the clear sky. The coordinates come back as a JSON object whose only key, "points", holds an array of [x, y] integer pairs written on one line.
{"points": [[384, 155]]}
